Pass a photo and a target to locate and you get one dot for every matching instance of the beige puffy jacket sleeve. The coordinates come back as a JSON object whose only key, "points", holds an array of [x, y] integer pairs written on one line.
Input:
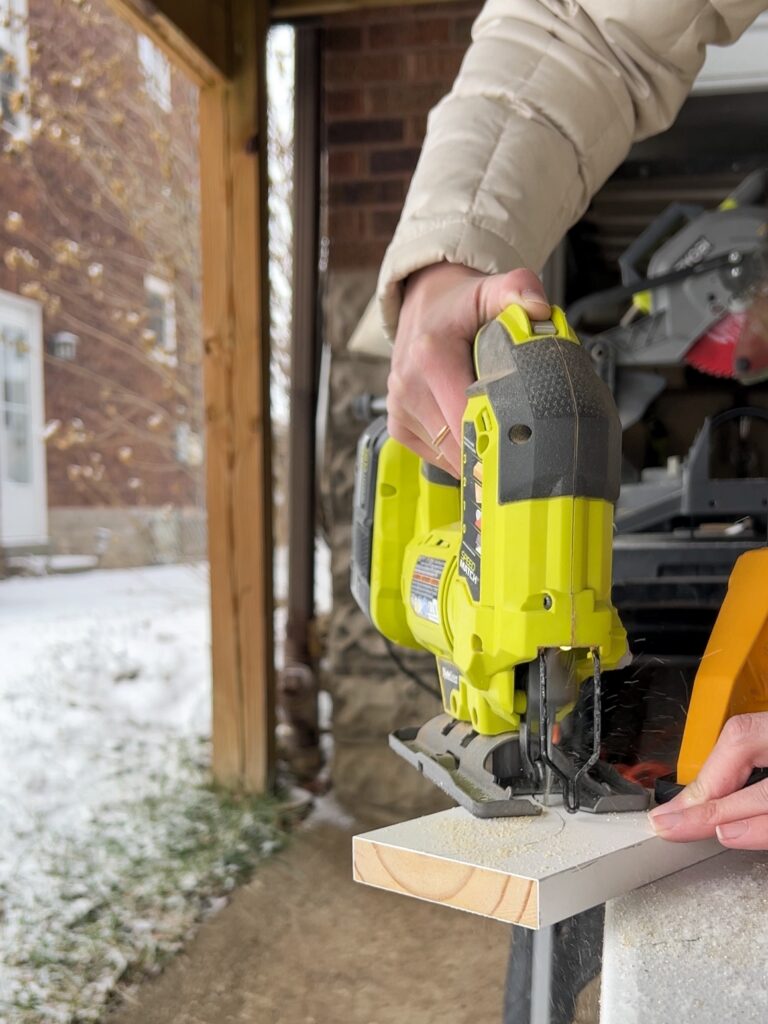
{"points": [[549, 99]]}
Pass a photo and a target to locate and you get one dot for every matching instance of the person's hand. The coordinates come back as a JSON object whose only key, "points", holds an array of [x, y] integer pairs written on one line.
{"points": [[444, 307], [715, 803]]}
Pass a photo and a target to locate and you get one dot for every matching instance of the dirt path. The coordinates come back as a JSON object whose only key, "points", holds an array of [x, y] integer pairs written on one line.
{"points": [[303, 944]]}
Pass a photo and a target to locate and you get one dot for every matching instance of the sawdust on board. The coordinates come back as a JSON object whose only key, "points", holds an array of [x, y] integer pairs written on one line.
{"points": [[550, 841]]}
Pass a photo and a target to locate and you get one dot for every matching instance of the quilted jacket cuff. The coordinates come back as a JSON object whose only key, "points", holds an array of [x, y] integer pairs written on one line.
{"points": [[441, 241]]}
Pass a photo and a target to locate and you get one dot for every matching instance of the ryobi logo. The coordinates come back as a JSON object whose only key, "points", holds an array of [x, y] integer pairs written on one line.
{"points": [[695, 254]]}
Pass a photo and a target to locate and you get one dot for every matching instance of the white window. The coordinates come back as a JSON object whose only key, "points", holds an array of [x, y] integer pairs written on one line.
{"points": [[161, 317], [14, 67], [23, 506], [157, 72], [16, 376]]}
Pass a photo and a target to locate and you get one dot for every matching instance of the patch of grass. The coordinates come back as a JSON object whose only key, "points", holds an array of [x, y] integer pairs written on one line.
{"points": [[119, 901]]}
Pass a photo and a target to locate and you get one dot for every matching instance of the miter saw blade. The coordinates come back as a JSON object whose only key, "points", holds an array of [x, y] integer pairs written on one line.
{"points": [[736, 346], [751, 354], [715, 351]]}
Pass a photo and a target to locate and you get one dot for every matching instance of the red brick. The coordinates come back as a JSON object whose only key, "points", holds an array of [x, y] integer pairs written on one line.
{"points": [[345, 163], [407, 98], [357, 254], [346, 225], [409, 61], [394, 161], [350, 133], [366, 193], [110, 369], [345, 69], [340, 102], [437, 66], [383, 223], [342, 37], [380, 15], [360, 16], [462, 30], [406, 34], [454, 10], [416, 129]]}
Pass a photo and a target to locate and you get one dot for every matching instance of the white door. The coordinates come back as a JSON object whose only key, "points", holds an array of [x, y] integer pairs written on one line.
{"points": [[23, 499]]}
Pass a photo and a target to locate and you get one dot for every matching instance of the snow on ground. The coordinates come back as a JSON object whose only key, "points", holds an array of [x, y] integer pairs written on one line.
{"points": [[112, 842]]}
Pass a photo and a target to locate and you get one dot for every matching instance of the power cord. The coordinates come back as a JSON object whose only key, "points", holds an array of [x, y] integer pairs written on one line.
{"points": [[413, 676]]}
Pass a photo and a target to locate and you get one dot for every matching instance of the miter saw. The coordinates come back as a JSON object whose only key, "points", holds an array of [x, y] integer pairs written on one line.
{"points": [[692, 276], [698, 284], [505, 576]]}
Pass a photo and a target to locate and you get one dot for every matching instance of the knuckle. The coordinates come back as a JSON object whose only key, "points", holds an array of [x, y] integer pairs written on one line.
{"points": [[760, 790], [427, 346], [395, 387], [741, 728], [393, 405], [710, 812], [396, 397], [396, 429], [696, 791]]}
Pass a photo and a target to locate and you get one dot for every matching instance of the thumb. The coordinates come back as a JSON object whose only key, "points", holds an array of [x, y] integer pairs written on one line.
{"points": [[497, 291]]}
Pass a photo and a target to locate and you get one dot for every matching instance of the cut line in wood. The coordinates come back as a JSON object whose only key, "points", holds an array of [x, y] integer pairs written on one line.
{"points": [[529, 871]]}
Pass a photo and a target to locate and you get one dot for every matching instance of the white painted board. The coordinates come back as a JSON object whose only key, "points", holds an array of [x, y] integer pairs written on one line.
{"points": [[529, 871]]}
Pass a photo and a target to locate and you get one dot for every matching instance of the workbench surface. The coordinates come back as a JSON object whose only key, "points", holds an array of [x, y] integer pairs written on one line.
{"points": [[691, 948]]}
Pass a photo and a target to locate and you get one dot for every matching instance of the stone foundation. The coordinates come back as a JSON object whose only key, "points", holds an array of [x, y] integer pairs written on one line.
{"points": [[124, 537]]}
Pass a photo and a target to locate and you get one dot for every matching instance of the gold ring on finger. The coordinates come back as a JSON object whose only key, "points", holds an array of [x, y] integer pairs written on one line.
{"points": [[440, 436]]}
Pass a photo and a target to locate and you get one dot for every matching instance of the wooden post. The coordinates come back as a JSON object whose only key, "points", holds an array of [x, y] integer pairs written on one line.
{"points": [[233, 170], [221, 45]]}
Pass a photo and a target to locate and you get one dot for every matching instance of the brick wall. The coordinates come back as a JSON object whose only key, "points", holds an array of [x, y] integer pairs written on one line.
{"points": [[383, 72], [108, 170]]}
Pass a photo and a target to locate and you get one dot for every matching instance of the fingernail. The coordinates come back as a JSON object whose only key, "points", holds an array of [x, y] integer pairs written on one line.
{"points": [[533, 296], [732, 830], [665, 822]]}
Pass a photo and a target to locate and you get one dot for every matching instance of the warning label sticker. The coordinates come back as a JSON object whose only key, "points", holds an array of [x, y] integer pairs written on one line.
{"points": [[425, 585]]}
